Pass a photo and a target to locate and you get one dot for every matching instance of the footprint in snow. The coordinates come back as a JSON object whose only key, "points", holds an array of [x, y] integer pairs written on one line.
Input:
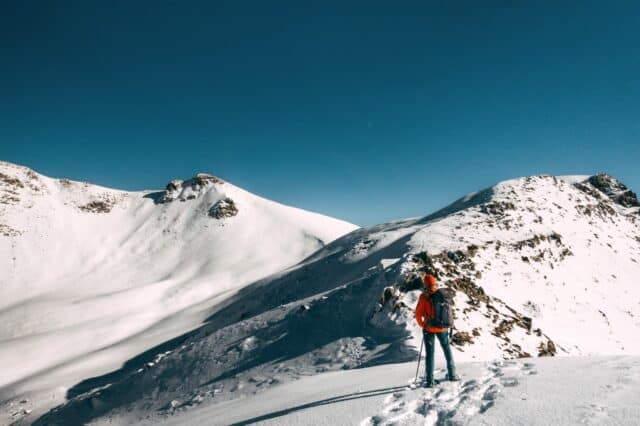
{"points": [[452, 403], [594, 414]]}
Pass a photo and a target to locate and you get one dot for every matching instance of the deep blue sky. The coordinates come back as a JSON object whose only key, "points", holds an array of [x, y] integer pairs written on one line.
{"points": [[367, 111]]}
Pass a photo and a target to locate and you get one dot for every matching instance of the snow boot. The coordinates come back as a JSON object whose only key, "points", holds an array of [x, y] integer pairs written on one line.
{"points": [[430, 383], [453, 377]]}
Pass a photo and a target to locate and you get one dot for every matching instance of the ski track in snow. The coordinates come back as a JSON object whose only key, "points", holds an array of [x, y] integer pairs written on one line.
{"points": [[451, 402]]}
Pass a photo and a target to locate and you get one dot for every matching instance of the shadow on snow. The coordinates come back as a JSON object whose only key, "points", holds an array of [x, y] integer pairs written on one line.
{"points": [[351, 291]]}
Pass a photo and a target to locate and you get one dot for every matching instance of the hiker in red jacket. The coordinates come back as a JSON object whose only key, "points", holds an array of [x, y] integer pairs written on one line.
{"points": [[425, 316]]}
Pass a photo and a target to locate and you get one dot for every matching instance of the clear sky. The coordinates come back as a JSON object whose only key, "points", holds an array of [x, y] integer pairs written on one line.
{"points": [[367, 111]]}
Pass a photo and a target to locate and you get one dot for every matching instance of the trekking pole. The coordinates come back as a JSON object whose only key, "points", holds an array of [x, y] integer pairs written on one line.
{"points": [[415, 381]]}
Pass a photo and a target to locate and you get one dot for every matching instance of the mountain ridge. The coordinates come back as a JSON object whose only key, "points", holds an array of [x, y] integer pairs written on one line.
{"points": [[528, 259], [92, 275], [515, 253]]}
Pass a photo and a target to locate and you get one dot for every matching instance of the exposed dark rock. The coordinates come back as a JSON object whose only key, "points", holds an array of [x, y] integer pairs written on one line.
{"points": [[100, 206], [461, 338], [472, 249], [616, 191], [10, 180], [7, 231], [497, 207], [172, 186], [456, 256], [424, 263], [391, 295], [628, 199], [204, 179], [589, 190], [174, 189], [503, 328], [547, 350], [554, 236], [531, 242], [362, 246], [565, 253], [31, 175], [468, 287], [600, 209], [9, 198], [411, 283], [224, 208], [605, 183]]}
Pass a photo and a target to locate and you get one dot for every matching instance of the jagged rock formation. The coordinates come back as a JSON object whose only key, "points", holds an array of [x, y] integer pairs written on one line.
{"points": [[612, 188]]}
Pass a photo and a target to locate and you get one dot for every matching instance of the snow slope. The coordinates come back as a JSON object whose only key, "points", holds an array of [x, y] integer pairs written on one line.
{"points": [[551, 391], [92, 276], [541, 266]]}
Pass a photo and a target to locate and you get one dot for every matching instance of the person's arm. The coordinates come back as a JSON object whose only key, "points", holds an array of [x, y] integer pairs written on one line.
{"points": [[420, 314]]}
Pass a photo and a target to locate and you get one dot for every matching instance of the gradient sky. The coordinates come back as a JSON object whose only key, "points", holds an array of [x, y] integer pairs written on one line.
{"points": [[366, 111]]}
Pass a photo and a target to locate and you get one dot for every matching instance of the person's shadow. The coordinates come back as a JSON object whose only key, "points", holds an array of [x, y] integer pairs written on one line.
{"points": [[332, 400]]}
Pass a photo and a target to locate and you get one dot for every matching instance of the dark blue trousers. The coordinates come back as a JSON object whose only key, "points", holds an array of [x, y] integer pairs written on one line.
{"points": [[429, 343]]}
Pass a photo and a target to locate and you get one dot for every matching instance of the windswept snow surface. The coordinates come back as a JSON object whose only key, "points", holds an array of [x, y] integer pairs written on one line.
{"points": [[91, 276], [543, 391], [541, 266]]}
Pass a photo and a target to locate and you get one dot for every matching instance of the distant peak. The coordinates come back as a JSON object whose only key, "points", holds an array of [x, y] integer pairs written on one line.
{"points": [[605, 184]]}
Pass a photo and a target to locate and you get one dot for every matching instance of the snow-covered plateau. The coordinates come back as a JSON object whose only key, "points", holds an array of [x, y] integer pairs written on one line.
{"points": [[203, 304]]}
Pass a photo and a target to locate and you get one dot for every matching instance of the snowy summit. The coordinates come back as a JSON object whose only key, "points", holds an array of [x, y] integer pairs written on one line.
{"points": [[93, 276], [224, 305]]}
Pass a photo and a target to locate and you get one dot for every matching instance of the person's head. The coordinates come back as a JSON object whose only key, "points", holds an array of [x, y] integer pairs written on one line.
{"points": [[429, 282]]}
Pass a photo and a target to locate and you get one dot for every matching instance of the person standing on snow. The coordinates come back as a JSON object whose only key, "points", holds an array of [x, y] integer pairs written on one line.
{"points": [[433, 327]]}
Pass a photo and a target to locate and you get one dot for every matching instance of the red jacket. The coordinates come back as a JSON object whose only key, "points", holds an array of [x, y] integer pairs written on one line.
{"points": [[424, 312]]}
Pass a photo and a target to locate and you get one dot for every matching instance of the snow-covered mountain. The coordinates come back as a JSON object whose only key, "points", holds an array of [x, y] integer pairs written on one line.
{"points": [[541, 266], [91, 276]]}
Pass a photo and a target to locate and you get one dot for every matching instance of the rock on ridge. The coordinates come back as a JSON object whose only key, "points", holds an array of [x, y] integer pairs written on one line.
{"points": [[612, 188], [189, 189]]}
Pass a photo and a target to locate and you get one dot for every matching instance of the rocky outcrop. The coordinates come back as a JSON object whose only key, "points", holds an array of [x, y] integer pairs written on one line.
{"points": [[97, 206], [189, 189], [7, 231], [18, 180], [10, 181], [497, 208], [458, 271], [223, 209], [613, 189]]}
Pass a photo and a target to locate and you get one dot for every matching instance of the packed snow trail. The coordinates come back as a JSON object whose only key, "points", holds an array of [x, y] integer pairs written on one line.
{"points": [[455, 402], [542, 391]]}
